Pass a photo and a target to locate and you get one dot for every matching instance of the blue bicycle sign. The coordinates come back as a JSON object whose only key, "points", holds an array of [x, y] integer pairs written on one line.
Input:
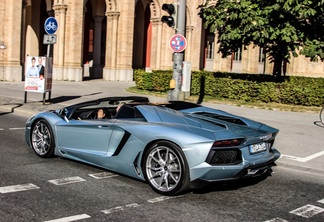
{"points": [[50, 25]]}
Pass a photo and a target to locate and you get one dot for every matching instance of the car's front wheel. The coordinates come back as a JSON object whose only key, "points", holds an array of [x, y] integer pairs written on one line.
{"points": [[166, 169], [42, 139]]}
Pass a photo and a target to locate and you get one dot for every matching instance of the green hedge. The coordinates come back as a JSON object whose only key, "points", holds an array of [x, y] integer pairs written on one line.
{"points": [[293, 90]]}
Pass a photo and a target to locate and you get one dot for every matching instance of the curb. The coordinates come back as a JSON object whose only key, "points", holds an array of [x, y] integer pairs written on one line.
{"points": [[296, 168]]}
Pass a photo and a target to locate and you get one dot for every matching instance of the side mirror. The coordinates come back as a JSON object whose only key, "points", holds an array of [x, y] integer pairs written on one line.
{"points": [[63, 113]]}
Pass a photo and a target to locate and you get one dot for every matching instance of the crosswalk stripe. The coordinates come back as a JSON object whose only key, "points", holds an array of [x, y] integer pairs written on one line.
{"points": [[160, 199], [66, 180], [19, 187], [307, 211], [71, 218], [102, 175], [277, 219], [120, 208]]}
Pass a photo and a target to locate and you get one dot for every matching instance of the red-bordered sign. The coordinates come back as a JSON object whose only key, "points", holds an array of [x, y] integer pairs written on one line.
{"points": [[178, 43]]}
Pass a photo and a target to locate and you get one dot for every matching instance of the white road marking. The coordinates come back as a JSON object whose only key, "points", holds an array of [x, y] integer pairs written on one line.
{"points": [[307, 211], [160, 199], [303, 159], [321, 201], [132, 205], [66, 180], [112, 210], [16, 188], [277, 219], [1, 129], [17, 128], [71, 218], [120, 208], [102, 175]]}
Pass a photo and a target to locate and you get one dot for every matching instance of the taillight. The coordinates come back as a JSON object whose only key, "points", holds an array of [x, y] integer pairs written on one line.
{"points": [[228, 143]]}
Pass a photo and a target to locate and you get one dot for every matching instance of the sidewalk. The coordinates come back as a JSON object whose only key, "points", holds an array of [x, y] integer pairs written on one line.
{"points": [[299, 139]]}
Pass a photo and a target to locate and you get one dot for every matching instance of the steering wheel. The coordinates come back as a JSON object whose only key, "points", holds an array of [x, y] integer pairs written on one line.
{"points": [[93, 115]]}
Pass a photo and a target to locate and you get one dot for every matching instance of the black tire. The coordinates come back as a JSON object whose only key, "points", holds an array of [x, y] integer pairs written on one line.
{"points": [[165, 169], [42, 139], [322, 115]]}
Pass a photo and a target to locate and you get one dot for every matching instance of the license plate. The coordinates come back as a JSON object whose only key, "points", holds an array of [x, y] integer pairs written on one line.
{"points": [[256, 148]]}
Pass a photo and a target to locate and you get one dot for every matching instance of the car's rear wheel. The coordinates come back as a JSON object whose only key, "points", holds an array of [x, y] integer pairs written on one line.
{"points": [[42, 139], [166, 169]]}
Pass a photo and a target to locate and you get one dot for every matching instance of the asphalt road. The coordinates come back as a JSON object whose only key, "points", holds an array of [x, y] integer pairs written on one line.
{"points": [[299, 139], [37, 189]]}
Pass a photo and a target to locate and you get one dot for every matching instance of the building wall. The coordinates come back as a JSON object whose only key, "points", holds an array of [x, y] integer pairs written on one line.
{"points": [[301, 66], [21, 32], [10, 33]]}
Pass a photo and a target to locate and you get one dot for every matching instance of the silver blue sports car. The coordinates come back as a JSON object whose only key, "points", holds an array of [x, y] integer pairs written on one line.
{"points": [[173, 146]]}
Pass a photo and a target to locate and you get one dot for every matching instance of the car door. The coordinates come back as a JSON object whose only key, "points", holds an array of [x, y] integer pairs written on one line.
{"points": [[83, 138]]}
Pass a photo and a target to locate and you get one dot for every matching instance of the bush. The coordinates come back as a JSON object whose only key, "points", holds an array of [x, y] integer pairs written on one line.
{"points": [[292, 90], [152, 81]]}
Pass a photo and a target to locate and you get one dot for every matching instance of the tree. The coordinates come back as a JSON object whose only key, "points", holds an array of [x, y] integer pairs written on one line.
{"points": [[279, 26], [312, 17]]}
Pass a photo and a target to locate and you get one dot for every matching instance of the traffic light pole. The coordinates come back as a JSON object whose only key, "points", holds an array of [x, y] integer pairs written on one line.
{"points": [[174, 94]]}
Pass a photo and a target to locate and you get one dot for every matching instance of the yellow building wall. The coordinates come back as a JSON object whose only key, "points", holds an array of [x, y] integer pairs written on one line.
{"points": [[20, 33]]}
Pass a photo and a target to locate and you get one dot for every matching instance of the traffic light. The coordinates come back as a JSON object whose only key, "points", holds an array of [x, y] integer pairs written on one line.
{"points": [[171, 19]]}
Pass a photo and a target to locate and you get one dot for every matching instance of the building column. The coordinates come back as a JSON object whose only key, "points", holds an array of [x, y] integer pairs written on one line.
{"points": [[60, 14], [250, 59], [58, 48], [97, 67], [125, 37], [111, 46]]}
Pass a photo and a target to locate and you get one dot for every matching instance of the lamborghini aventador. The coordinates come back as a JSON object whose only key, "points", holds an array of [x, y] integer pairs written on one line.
{"points": [[173, 146]]}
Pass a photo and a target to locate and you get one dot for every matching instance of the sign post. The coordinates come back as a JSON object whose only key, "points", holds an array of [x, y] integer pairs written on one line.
{"points": [[178, 44]]}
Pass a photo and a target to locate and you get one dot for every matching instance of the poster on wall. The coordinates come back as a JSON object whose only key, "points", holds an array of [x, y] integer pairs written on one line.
{"points": [[38, 75]]}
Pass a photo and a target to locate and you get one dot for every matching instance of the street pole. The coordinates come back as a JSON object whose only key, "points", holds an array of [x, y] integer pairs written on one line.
{"points": [[174, 94], [2, 48]]}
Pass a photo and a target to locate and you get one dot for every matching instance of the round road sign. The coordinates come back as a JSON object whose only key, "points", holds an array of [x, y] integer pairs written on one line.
{"points": [[50, 25], [178, 43]]}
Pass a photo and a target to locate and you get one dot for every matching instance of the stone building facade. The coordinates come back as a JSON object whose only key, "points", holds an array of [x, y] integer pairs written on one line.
{"points": [[108, 39]]}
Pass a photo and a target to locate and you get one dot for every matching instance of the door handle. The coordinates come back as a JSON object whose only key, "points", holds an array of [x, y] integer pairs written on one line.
{"points": [[103, 126]]}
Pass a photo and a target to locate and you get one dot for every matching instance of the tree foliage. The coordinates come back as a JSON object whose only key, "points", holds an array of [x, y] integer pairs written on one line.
{"points": [[312, 17], [279, 26]]}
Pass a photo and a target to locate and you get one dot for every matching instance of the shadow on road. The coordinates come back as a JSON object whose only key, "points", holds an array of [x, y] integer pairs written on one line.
{"points": [[231, 185], [61, 99], [92, 94], [5, 113], [16, 105], [319, 124]]}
